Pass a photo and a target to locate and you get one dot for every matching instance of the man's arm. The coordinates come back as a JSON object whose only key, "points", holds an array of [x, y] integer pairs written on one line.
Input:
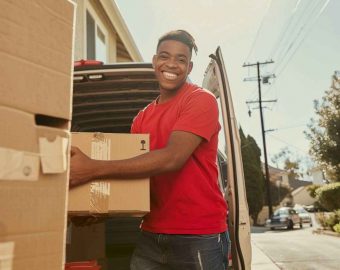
{"points": [[171, 158]]}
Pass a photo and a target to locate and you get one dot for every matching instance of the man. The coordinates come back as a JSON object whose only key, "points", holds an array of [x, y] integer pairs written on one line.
{"points": [[186, 226]]}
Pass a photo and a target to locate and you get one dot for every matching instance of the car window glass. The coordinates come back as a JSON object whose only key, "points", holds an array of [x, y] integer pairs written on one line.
{"points": [[221, 137], [222, 157]]}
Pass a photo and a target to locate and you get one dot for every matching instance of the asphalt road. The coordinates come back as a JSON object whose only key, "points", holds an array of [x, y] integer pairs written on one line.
{"points": [[299, 249]]}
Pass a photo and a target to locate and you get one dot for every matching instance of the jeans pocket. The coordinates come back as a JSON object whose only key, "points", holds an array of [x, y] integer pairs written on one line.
{"points": [[197, 236]]}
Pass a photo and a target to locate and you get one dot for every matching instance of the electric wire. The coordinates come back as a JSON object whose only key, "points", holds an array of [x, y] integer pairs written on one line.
{"points": [[259, 30]]}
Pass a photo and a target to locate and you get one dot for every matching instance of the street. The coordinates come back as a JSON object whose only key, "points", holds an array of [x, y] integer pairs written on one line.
{"points": [[299, 249]]}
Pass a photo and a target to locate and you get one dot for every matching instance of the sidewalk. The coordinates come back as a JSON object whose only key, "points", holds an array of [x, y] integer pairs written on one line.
{"points": [[261, 261]]}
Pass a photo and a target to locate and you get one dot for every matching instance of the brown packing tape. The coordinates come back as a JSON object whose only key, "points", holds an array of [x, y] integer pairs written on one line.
{"points": [[100, 190], [99, 197]]}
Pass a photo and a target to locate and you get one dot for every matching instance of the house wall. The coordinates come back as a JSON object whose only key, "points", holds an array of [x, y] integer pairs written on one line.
{"points": [[317, 177], [120, 46], [302, 197]]}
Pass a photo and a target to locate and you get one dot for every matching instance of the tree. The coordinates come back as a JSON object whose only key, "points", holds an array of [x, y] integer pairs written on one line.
{"points": [[278, 193], [254, 179], [291, 163], [324, 132]]}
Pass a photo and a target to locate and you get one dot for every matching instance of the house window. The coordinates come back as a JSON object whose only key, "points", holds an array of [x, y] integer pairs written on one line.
{"points": [[96, 46]]}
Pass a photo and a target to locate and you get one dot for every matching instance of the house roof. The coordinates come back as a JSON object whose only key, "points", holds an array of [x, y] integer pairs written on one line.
{"points": [[295, 183], [125, 37]]}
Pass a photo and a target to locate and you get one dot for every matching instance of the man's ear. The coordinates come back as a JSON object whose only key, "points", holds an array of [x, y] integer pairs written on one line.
{"points": [[191, 64], [154, 61]]}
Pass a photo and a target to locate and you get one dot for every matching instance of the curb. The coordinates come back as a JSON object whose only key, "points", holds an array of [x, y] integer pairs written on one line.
{"points": [[326, 232]]}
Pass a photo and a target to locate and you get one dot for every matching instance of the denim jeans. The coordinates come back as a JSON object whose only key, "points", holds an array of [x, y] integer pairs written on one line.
{"points": [[180, 252]]}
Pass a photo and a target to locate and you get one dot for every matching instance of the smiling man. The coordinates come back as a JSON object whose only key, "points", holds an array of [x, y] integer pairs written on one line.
{"points": [[186, 227]]}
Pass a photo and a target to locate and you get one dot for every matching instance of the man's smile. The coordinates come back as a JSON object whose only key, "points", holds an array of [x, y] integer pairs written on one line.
{"points": [[169, 76]]}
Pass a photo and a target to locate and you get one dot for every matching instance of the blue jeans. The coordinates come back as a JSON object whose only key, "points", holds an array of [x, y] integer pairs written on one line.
{"points": [[180, 252]]}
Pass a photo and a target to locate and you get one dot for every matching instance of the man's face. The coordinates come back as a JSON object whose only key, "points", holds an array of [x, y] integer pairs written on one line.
{"points": [[172, 64]]}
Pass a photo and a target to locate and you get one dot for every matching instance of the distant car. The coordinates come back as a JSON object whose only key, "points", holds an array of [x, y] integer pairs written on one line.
{"points": [[310, 208], [284, 217], [304, 216]]}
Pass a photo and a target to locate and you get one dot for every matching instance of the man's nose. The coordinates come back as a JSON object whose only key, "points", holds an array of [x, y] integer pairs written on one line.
{"points": [[172, 62]]}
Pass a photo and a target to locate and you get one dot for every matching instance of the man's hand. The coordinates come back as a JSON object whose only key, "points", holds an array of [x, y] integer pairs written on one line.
{"points": [[81, 169]]}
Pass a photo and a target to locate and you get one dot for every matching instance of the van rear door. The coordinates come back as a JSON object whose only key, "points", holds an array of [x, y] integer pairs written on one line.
{"points": [[216, 81]]}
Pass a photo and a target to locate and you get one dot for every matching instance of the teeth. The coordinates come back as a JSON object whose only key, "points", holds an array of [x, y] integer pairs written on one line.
{"points": [[169, 76]]}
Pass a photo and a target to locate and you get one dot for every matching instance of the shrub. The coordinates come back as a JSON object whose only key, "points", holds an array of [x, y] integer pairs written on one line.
{"points": [[329, 196], [336, 228], [321, 218], [329, 220], [311, 190]]}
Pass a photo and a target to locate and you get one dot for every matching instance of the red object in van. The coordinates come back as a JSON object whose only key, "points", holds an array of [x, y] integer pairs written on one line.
{"points": [[83, 62], [85, 265]]}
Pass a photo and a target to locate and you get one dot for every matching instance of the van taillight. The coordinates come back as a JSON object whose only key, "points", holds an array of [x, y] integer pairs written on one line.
{"points": [[82, 62]]}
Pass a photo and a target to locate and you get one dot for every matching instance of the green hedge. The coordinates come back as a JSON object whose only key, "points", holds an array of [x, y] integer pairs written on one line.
{"points": [[329, 196]]}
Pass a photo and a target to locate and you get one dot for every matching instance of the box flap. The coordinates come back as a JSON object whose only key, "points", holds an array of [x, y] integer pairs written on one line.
{"points": [[53, 154]]}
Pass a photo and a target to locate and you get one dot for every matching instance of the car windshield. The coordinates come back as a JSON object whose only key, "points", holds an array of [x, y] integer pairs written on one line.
{"points": [[300, 210], [280, 212]]}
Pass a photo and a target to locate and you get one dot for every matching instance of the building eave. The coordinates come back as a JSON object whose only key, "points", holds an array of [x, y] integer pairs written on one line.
{"points": [[121, 28]]}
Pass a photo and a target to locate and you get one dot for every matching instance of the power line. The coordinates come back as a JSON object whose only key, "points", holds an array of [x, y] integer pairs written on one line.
{"points": [[289, 144], [284, 30], [290, 127], [258, 31], [293, 33], [301, 41], [302, 33]]}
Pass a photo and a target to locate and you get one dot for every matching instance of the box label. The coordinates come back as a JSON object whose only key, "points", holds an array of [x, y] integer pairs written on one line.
{"points": [[6, 255]]}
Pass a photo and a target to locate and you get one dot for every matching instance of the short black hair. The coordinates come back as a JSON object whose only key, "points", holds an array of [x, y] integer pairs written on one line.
{"points": [[181, 36]]}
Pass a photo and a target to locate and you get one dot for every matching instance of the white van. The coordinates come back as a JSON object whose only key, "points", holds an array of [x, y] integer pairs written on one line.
{"points": [[106, 98]]}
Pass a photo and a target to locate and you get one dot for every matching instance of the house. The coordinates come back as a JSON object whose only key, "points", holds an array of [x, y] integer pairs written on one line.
{"points": [[277, 176], [317, 176], [102, 34], [301, 196]]}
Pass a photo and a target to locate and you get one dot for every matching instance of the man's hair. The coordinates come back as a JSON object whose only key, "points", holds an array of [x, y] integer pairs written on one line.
{"points": [[181, 36]]}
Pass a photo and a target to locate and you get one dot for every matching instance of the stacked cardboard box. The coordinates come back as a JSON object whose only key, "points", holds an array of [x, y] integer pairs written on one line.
{"points": [[36, 43], [115, 197], [93, 204]]}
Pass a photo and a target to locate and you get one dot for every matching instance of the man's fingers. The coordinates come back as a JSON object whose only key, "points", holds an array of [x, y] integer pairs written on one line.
{"points": [[74, 150]]}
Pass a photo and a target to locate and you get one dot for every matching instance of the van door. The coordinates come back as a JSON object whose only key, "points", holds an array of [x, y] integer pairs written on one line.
{"points": [[216, 81]]}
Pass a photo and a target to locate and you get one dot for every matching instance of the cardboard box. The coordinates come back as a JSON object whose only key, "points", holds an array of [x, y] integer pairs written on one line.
{"points": [[33, 191], [36, 47], [129, 197], [85, 242]]}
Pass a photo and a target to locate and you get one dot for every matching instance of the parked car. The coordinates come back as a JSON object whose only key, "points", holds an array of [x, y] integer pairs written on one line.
{"points": [[284, 217], [106, 98], [304, 216]]}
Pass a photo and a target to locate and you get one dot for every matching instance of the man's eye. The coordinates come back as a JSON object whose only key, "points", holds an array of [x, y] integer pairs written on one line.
{"points": [[163, 56]]}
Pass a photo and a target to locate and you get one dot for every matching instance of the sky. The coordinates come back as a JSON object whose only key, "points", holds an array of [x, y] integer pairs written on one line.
{"points": [[302, 37]]}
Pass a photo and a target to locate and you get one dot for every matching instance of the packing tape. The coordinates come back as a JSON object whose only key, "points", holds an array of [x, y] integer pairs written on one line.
{"points": [[6, 255], [18, 165], [100, 190], [22, 165]]}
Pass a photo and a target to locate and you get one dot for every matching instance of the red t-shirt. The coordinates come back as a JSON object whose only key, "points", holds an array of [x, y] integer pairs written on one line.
{"points": [[187, 201]]}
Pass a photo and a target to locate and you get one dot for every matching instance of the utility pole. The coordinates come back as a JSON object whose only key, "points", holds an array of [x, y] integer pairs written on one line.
{"points": [[260, 101]]}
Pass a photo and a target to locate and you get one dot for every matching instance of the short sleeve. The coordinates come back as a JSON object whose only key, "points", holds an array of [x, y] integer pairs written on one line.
{"points": [[199, 115], [135, 127]]}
